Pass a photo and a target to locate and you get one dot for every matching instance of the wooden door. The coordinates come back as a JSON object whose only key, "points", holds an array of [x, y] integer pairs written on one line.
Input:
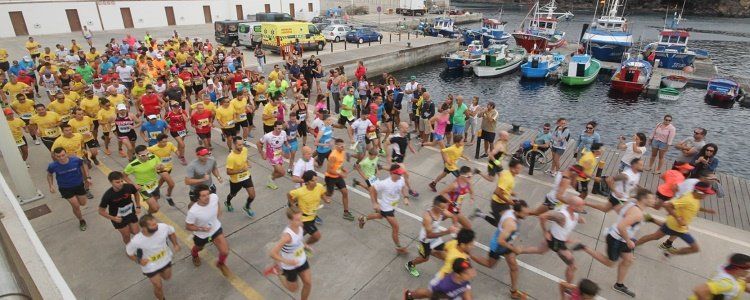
{"points": [[291, 9], [207, 14], [73, 20], [127, 18], [268, 8], [240, 15], [19, 24], [309, 6], [170, 15]]}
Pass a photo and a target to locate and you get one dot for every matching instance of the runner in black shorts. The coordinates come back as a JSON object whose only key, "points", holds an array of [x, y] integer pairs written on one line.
{"points": [[121, 204], [238, 169], [431, 233], [72, 179], [290, 255], [150, 250], [203, 220]]}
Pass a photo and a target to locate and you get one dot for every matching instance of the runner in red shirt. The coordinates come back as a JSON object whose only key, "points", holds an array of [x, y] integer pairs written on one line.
{"points": [[187, 82], [201, 119], [176, 119], [151, 103], [236, 80]]}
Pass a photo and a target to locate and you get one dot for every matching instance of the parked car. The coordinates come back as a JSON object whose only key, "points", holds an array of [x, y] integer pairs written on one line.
{"points": [[336, 33], [363, 35], [327, 22]]}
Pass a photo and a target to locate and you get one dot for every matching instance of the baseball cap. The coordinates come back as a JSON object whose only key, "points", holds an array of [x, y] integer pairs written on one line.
{"points": [[121, 106], [27, 58], [398, 170], [684, 167], [151, 117], [8, 111], [203, 152], [413, 77], [210, 81], [578, 169], [704, 188]]}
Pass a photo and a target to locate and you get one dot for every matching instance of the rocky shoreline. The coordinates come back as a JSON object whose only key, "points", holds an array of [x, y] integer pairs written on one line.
{"points": [[717, 8]]}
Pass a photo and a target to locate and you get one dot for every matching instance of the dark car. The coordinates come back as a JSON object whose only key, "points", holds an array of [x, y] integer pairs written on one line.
{"points": [[363, 35], [225, 32]]}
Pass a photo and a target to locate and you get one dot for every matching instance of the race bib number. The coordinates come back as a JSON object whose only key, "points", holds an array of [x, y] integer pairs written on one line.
{"points": [[372, 180], [26, 116], [182, 133], [20, 142], [299, 252], [83, 130], [187, 82], [52, 132], [65, 118], [125, 210], [153, 134], [158, 256], [302, 117], [242, 117], [203, 122], [372, 135], [243, 176], [230, 123], [166, 160], [460, 199], [394, 203], [150, 187], [124, 128], [277, 153]]}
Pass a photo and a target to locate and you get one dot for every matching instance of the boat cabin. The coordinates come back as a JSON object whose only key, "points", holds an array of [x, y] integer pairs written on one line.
{"points": [[578, 65], [544, 25], [611, 23], [444, 24], [636, 71], [673, 37]]}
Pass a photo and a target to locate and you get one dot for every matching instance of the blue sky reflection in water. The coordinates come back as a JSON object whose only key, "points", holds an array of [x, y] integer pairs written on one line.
{"points": [[532, 103]]}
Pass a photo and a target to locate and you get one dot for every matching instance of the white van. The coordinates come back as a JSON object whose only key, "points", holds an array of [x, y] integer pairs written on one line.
{"points": [[249, 34]]}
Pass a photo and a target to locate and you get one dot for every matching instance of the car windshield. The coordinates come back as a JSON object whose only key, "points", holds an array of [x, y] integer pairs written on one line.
{"points": [[329, 28]]}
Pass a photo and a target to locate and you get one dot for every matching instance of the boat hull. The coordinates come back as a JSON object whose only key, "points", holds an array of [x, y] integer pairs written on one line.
{"points": [[668, 94], [590, 76], [720, 97], [528, 71], [530, 41], [674, 82], [627, 87], [607, 52], [675, 61], [485, 71]]}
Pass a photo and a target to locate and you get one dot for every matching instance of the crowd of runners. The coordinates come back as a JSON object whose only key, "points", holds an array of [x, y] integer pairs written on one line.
{"points": [[148, 96]]}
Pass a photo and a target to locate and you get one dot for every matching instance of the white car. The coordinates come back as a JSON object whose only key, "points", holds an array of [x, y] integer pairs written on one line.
{"points": [[336, 32]]}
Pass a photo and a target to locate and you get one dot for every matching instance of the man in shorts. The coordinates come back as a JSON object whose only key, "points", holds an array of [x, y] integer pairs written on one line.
{"points": [[164, 149], [201, 119], [334, 177], [238, 170], [385, 195], [150, 250], [621, 185], [199, 171], [125, 123], [324, 140], [588, 162], [121, 204], [503, 193], [368, 169], [152, 128], [84, 125], [45, 124], [450, 156], [346, 115], [307, 199], [453, 286], [357, 134], [203, 220], [302, 165], [270, 113], [729, 282], [270, 148], [72, 179], [431, 233], [290, 255], [146, 168]]}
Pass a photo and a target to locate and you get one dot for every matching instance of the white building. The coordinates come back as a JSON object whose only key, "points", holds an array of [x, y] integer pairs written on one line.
{"points": [[35, 17]]}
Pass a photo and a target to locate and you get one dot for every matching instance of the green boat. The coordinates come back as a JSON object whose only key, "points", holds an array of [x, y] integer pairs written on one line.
{"points": [[669, 94], [582, 70]]}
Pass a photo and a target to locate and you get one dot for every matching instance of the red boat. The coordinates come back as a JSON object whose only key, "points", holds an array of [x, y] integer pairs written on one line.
{"points": [[632, 76], [542, 33]]}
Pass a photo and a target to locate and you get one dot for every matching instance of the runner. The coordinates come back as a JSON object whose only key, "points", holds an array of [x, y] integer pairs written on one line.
{"points": [[672, 179], [126, 123], [24, 108], [585, 290], [367, 168], [201, 119], [150, 103], [73, 179], [497, 152], [72, 142], [62, 105], [438, 123], [45, 124], [556, 197], [307, 199], [120, 207], [270, 148], [290, 255], [621, 238], [334, 176], [729, 282], [398, 143], [302, 165], [456, 192], [176, 123], [292, 131], [385, 195], [164, 150], [203, 220], [500, 245], [238, 170], [146, 168], [245, 109], [17, 128], [621, 186], [270, 112], [453, 286], [226, 116], [455, 249], [358, 135], [501, 196], [430, 235], [149, 249], [199, 172], [299, 109], [323, 140], [346, 115], [450, 157], [153, 128]]}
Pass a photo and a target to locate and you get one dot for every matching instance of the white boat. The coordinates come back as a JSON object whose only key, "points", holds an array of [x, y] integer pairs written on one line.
{"points": [[674, 81], [499, 60]]}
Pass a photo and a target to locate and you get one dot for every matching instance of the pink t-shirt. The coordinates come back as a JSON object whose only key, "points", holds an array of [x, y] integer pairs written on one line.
{"points": [[664, 134], [442, 122]]}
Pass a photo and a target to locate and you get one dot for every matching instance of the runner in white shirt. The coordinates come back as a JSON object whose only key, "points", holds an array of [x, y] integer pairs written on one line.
{"points": [[385, 195], [290, 254], [125, 73], [620, 187], [203, 220], [430, 235], [150, 250], [357, 134], [270, 149]]}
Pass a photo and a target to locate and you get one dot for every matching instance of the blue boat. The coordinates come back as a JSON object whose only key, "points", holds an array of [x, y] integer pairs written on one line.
{"points": [[724, 91], [464, 58], [440, 27], [671, 50], [540, 65], [492, 32], [607, 37]]}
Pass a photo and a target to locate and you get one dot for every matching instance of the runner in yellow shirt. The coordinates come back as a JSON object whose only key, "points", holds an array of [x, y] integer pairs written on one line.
{"points": [[116, 99], [71, 95], [84, 125], [238, 170], [729, 282], [245, 108], [226, 116], [17, 127], [260, 88], [24, 108], [503, 193], [46, 125], [270, 114], [207, 104], [164, 149], [90, 105], [15, 87], [106, 118], [588, 162], [307, 199], [62, 107], [458, 248], [71, 141], [34, 48], [450, 157]]}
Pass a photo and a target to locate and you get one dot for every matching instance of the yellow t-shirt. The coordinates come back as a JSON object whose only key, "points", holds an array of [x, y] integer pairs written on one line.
{"points": [[165, 154], [138, 91], [237, 162], [588, 162], [49, 125], [452, 154], [32, 47], [116, 99], [83, 127], [225, 116], [16, 127], [260, 88], [72, 145], [106, 118], [51, 55], [77, 87], [273, 75], [270, 110], [687, 208], [181, 57], [451, 253], [308, 200], [3, 55], [210, 106], [90, 106], [73, 97], [15, 89], [507, 182], [90, 57], [725, 285], [63, 109], [25, 109], [240, 106]]}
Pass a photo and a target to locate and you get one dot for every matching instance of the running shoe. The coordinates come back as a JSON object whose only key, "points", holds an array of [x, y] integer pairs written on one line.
{"points": [[247, 143], [170, 201], [477, 214], [413, 194], [82, 225], [96, 161], [197, 261], [477, 171], [361, 221], [348, 216], [289, 172], [318, 220], [89, 195], [355, 182], [517, 294], [106, 151], [665, 247], [484, 155], [411, 269], [272, 185], [623, 289], [271, 270], [37, 142], [433, 187], [229, 206], [249, 212], [407, 295]]}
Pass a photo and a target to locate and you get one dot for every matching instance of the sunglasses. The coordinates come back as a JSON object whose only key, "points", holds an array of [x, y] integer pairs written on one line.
{"points": [[697, 132], [589, 128], [667, 120]]}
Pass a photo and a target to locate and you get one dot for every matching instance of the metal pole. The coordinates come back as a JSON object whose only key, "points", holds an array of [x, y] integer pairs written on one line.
{"points": [[479, 145], [25, 188], [532, 163]]}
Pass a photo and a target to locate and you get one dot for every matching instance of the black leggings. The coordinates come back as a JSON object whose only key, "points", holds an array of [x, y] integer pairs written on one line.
{"points": [[497, 209]]}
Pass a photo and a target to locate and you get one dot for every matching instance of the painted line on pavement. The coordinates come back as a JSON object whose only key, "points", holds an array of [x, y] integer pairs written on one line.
{"points": [[238, 283]]}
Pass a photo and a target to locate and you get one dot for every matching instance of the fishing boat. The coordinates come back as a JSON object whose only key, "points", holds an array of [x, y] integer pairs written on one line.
{"points": [[672, 48], [441, 26], [668, 94], [632, 76], [464, 58], [499, 60], [723, 90], [674, 81], [607, 37], [542, 30], [582, 70], [540, 65], [492, 32]]}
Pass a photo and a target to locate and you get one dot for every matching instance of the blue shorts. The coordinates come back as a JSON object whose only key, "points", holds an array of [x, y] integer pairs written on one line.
{"points": [[658, 145], [459, 129], [558, 151], [293, 146], [684, 236], [438, 137]]}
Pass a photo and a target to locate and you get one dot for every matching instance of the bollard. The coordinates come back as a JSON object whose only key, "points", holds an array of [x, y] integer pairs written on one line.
{"points": [[369, 43], [399, 36], [479, 146], [408, 35], [345, 44], [390, 38], [532, 163], [597, 184], [331, 47], [357, 45]]}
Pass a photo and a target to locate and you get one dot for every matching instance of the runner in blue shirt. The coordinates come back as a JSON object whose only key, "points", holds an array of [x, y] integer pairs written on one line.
{"points": [[72, 181], [151, 129]]}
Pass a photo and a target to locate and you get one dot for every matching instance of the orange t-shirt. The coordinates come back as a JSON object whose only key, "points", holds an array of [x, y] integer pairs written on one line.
{"points": [[671, 179], [335, 160]]}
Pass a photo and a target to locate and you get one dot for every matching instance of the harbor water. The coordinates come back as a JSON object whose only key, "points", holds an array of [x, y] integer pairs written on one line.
{"points": [[532, 103]]}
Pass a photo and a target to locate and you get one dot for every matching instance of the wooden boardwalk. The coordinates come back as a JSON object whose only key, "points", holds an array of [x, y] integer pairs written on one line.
{"points": [[732, 210]]}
